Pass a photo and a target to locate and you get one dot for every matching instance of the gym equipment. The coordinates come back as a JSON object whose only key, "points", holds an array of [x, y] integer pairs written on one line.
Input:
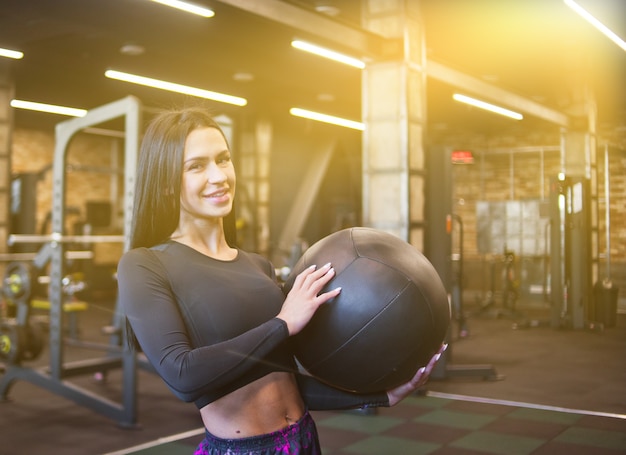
{"points": [[456, 296], [509, 291], [18, 281], [59, 238], [19, 288], [438, 244], [20, 343], [391, 317], [20, 338], [605, 291], [55, 377], [11, 343], [510, 287], [570, 252]]}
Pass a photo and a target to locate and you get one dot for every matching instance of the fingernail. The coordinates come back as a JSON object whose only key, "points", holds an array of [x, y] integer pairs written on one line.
{"points": [[313, 267], [421, 370], [327, 265], [437, 357], [444, 347]]}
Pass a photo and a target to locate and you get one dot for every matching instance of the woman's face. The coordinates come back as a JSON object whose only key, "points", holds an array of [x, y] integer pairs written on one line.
{"points": [[208, 184]]}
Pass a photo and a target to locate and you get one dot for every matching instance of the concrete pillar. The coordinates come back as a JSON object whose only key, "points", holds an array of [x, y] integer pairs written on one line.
{"points": [[579, 141], [253, 184], [6, 129], [394, 114], [264, 134], [579, 164]]}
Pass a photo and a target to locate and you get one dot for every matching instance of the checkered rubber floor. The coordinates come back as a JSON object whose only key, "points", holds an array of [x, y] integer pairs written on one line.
{"points": [[447, 424]]}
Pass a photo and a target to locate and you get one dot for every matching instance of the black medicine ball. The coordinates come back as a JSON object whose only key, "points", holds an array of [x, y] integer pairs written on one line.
{"points": [[390, 318]]}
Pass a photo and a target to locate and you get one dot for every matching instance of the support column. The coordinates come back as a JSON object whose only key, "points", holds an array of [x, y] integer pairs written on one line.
{"points": [[579, 140], [253, 194], [580, 231], [6, 129], [264, 137], [394, 114]]}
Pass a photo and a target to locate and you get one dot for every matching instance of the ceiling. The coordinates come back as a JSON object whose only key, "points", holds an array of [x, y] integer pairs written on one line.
{"points": [[538, 49]]}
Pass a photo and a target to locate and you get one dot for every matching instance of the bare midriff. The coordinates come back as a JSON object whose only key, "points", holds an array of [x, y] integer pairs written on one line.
{"points": [[263, 406]]}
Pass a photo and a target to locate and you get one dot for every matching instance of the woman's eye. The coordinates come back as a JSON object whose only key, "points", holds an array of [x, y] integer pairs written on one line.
{"points": [[194, 167], [224, 160]]}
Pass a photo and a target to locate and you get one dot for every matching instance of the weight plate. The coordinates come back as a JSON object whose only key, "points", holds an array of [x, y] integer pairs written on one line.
{"points": [[11, 344], [18, 281], [33, 341]]}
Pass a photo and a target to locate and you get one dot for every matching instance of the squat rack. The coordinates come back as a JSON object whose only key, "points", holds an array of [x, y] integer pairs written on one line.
{"points": [[54, 377]]}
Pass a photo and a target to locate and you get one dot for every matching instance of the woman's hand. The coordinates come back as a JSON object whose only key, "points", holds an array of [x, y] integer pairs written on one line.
{"points": [[304, 298], [421, 377]]}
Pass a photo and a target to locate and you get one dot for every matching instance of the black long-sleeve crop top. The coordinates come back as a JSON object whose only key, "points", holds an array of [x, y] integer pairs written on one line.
{"points": [[209, 327]]}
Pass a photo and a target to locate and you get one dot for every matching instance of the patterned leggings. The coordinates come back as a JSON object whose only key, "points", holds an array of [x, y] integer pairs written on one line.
{"points": [[298, 439]]}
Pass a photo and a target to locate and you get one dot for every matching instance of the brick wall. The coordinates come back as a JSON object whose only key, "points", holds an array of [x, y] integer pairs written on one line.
{"points": [[494, 176], [525, 175], [89, 177]]}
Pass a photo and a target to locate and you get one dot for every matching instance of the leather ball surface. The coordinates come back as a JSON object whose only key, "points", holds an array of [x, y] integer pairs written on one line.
{"points": [[390, 318]]}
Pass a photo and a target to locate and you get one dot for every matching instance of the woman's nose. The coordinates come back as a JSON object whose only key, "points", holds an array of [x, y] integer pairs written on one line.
{"points": [[215, 174]]}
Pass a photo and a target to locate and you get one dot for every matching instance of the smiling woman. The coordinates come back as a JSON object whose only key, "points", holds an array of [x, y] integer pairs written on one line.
{"points": [[211, 318], [208, 181]]}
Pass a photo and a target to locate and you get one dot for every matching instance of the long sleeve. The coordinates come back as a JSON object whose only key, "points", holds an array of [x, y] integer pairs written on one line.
{"points": [[319, 396], [150, 306]]}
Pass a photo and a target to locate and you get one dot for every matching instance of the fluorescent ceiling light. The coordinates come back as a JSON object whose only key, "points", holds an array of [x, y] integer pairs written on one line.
{"points": [[487, 106], [11, 54], [172, 87], [327, 53], [49, 108], [188, 7], [596, 23], [326, 118]]}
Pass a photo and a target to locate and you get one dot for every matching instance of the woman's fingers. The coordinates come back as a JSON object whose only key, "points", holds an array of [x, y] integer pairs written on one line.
{"points": [[314, 279], [304, 298], [418, 380], [422, 375]]}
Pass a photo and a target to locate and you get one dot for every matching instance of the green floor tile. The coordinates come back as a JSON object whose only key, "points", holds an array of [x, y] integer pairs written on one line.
{"points": [[594, 438], [425, 401], [541, 415], [456, 419], [364, 424], [496, 443], [378, 445]]}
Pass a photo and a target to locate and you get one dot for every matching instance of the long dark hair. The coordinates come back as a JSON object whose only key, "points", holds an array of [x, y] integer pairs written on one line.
{"points": [[156, 207]]}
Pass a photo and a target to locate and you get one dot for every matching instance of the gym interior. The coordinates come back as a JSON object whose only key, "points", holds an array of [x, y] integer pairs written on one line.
{"points": [[523, 215]]}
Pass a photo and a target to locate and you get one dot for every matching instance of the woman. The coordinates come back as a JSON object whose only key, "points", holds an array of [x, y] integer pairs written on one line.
{"points": [[211, 318]]}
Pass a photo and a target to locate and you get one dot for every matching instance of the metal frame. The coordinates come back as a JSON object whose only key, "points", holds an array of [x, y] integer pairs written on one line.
{"points": [[439, 252], [570, 253], [375, 47], [53, 377]]}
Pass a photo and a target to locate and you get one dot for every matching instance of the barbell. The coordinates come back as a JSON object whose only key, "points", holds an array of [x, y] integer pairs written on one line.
{"points": [[56, 237]]}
